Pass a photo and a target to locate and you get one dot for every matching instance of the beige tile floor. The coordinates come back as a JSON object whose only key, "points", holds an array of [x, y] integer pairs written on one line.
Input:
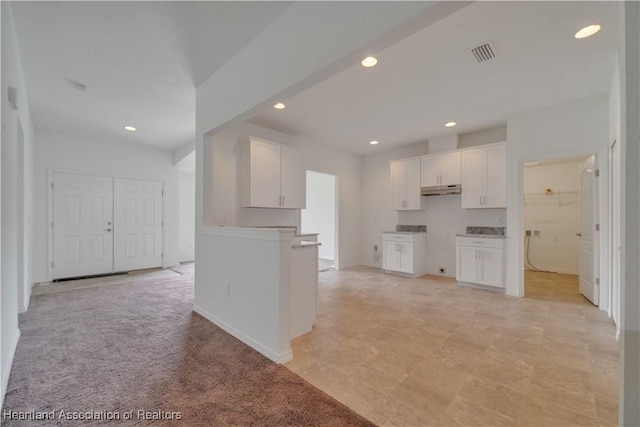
{"points": [[421, 352]]}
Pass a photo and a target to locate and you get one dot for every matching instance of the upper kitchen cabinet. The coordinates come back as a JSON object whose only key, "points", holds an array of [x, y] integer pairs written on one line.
{"points": [[405, 185], [483, 177], [271, 175], [441, 169]]}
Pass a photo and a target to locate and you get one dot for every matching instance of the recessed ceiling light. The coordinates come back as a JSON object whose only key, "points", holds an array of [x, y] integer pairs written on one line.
{"points": [[587, 31], [279, 106], [373, 142], [450, 124], [130, 128], [369, 61]]}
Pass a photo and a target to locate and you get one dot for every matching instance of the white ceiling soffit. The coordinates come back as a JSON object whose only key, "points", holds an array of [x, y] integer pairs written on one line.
{"points": [[431, 77], [140, 61]]}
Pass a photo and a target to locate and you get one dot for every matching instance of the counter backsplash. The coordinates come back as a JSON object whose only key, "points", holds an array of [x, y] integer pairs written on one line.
{"points": [[489, 231], [412, 228]]}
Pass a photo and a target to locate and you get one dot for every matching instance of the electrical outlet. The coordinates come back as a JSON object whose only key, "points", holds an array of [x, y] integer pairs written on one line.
{"points": [[527, 232], [537, 233], [227, 288], [442, 270]]}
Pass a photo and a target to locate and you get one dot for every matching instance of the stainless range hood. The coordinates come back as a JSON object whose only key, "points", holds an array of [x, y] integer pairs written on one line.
{"points": [[440, 190]]}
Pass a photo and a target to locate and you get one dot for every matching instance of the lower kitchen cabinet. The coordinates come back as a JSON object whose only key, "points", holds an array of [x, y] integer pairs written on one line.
{"points": [[404, 253], [480, 260]]}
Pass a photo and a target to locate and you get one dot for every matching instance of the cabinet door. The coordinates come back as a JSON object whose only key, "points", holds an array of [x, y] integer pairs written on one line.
{"points": [[490, 270], [429, 171], [472, 178], [390, 256], [412, 199], [398, 185], [450, 169], [265, 175], [495, 183], [405, 257], [466, 264], [293, 179]]}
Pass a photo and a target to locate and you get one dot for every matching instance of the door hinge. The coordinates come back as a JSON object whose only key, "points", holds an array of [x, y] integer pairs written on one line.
{"points": [[52, 185], [597, 173], [162, 192], [51, 225], [597, 280], [52, 264], [162, 254], [597, 227]]}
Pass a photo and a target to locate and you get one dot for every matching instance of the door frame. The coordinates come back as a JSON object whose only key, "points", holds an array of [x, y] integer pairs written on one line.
{"points": [[336, 216], [604, 240], [77, 172]]}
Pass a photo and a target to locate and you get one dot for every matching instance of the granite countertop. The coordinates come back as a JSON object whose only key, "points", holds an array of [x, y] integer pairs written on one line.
{"points": [[483, 236], [485, 232], [305, 244], [404, 232]]}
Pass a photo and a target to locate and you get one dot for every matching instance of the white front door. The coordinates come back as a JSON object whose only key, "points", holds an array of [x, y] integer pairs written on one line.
{"points": [[137, 224], [82, 225], [588, 219]]}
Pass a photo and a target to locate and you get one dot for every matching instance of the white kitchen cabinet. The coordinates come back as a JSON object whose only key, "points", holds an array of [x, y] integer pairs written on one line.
{"points": [[480, 260], [271, 175], [441, 169], [404, 253], [405, 185], [483, 177]]}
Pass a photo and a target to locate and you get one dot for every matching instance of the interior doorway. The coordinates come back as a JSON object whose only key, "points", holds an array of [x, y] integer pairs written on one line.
{"points": [[560, 221], [320, 216]]}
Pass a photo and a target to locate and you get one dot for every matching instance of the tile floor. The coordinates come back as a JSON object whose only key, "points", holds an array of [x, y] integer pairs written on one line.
{"points": [[421, 352], [325, 264]]}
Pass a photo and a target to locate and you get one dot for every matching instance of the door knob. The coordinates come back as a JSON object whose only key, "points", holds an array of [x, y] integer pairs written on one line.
{"points": [[579, 234], [107, 229]]}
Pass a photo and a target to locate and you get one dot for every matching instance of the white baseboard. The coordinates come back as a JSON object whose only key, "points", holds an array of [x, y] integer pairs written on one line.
{"points": [[278, 357], [6, 369]]}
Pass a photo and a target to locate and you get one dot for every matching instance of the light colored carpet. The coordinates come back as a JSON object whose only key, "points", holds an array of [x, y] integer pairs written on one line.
{"points": [[138, 346]]}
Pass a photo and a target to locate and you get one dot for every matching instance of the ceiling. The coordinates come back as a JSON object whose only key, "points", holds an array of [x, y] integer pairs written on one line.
{"points": [[431, 77], [142, 61]]}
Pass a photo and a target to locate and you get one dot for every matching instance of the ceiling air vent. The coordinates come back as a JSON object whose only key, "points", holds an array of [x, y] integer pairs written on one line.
{"points": [[484, 52]]}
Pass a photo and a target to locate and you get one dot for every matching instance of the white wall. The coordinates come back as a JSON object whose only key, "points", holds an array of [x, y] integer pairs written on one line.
{"points": [[244, 286], [557, 216], [14, 296], [559, 131], [320, 213], [629, 48], [187, 216], [220, 198], [55, 151]]}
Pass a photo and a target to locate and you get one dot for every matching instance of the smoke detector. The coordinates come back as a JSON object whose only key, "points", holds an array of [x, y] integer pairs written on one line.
{"points": [[484, 52]]}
